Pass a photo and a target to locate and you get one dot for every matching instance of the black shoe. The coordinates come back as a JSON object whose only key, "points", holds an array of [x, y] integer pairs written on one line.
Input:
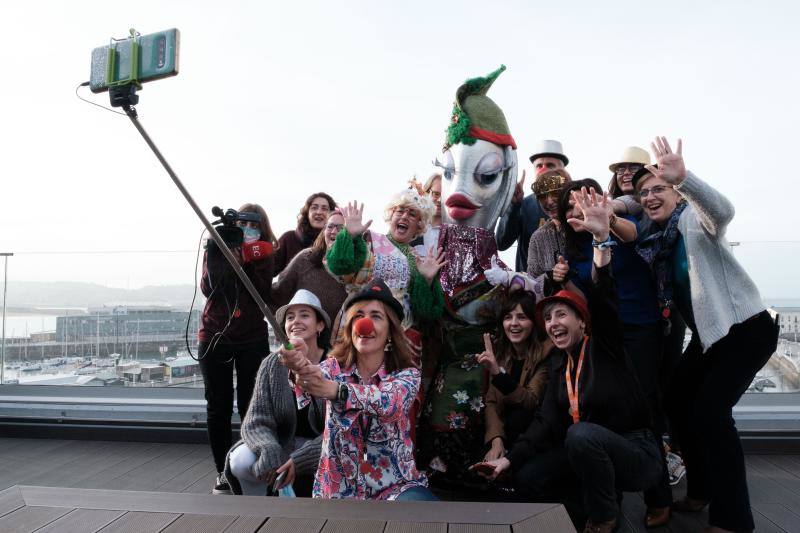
{"points": [[221, 485]]}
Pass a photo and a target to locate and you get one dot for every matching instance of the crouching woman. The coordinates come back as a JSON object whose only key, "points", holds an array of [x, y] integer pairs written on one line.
{"points": [[280, 436], [594, 424], [369, 384]]}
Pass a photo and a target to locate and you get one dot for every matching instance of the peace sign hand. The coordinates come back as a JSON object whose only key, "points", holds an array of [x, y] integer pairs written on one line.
{"points": [[487, 358], [671, 167], [352, 219]]}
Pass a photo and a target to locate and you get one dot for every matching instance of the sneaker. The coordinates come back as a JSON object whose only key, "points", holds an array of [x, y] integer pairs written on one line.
{"points": [[221, 485], [675, 467]]}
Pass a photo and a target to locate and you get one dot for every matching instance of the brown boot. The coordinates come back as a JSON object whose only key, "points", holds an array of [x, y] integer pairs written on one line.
{"points": [[656, 517], [600, 527]]}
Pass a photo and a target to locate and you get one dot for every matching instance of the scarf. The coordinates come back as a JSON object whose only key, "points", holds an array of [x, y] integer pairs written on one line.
{"points": [[656, 249]]}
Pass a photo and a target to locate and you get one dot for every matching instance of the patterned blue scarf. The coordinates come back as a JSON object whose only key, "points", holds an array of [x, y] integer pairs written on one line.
{"points": [[656, 249]]}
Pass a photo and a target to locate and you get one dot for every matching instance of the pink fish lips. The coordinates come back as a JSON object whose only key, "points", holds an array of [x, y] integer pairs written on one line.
{"points": [[459, 207]]}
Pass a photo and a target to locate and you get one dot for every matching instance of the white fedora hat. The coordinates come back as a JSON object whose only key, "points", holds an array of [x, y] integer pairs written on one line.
{"points": [[548, 148], [303, 297], [632, 154]]}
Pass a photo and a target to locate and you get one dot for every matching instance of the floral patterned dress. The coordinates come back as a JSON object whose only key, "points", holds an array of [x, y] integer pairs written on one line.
{"points": [[367, 451]]}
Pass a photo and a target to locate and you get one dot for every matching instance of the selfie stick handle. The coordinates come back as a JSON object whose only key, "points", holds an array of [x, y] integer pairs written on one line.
{"points": [[279, 334]]}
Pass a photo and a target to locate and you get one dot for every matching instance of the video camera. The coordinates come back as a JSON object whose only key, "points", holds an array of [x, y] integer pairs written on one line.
{"points": [[232, 234]]}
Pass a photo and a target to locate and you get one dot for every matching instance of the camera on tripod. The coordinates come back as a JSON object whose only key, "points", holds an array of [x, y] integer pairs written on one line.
{"points": [[227, 227]]}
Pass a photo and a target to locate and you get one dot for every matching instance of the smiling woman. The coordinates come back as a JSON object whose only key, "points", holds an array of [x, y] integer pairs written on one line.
{"points": [[359, 256], [370, 383]]}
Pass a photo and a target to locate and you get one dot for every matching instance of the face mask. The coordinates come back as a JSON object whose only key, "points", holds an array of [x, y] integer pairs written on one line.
{"points": [[251, 234]]}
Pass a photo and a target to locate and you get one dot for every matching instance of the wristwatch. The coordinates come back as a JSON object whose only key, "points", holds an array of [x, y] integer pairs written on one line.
{"points": [[343, 393]]}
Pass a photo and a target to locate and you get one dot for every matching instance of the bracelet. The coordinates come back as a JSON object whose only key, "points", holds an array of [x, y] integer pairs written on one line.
{"points": [[604, 245], [612, 221]]}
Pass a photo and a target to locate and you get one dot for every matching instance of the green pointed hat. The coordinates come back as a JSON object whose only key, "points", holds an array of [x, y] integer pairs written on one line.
{"points": [[476, 116]]}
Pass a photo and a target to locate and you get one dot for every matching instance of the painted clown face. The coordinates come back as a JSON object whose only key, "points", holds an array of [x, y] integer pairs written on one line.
{"points": [[477, 183]]}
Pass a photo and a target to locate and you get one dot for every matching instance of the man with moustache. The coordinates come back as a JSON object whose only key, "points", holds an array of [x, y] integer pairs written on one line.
{"points": [[527, 213]]}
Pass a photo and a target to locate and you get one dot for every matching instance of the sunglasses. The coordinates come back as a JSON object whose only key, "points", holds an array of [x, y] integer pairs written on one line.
{"points": [[633, 169]]}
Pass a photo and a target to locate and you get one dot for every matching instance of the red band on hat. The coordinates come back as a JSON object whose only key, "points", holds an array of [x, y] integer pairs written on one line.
{"points": [[496, 138]]}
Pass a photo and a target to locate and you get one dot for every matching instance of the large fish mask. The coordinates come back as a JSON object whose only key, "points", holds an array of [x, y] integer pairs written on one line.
{"points": [[479, 160], [477, 183]]}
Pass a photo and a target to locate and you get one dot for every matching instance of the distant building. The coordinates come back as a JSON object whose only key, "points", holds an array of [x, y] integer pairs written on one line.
{"points": [[128, 322], [182, 368], [788, 319]]}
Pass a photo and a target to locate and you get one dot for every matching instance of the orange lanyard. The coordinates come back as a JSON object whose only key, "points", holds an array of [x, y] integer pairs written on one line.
{"points": [[572, 393]]}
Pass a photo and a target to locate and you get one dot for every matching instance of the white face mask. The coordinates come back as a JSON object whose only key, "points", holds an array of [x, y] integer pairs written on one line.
{"points": [[251, 234], [478, 183]]}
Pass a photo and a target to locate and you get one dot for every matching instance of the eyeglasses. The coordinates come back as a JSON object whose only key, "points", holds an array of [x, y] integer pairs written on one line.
{"points": [[658, 189], [633, 169], [336, 227]]}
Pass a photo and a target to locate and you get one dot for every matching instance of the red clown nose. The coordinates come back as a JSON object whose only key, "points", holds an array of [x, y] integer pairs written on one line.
{"points": [[364, 326]]}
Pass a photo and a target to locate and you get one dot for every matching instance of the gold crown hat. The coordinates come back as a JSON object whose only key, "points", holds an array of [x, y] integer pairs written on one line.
{"points": [[632, 154], [548, 182]]}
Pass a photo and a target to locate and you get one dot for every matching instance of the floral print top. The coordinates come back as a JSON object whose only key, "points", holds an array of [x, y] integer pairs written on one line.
{"points": [[367, 452]]}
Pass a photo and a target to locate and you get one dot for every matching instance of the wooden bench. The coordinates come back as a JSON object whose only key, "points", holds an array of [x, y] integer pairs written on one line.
{"points": [[49, 509]]}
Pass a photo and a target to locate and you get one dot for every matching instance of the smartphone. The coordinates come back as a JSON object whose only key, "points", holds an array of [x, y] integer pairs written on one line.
{"points": [[156, 57], [483, 468], [278, 481]]}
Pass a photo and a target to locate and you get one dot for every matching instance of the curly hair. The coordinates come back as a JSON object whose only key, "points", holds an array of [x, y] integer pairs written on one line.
{"points": [[411, 198], [303, 224]]}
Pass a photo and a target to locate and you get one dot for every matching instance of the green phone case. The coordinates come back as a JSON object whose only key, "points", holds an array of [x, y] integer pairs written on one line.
{"points": [[155, 56]]}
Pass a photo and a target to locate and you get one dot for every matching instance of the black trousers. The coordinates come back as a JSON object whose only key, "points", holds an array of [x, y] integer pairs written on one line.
{"points": [[605, 463], [644, 345], [217, 367], [700, 400]]}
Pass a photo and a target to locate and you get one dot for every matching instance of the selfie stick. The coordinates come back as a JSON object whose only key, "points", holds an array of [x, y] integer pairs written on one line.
{"points": [[125, 96]]}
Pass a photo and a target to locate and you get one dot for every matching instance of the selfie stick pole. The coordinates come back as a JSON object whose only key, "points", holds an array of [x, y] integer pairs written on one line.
{"points": [[131, 112]]}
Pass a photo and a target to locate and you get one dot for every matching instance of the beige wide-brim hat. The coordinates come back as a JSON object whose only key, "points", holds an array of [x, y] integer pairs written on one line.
{"points": [[303, 297], [632, 154]]}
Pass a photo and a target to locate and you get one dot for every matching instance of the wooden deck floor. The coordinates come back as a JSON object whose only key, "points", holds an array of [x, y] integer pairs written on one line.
{"points": [[774, 482]]}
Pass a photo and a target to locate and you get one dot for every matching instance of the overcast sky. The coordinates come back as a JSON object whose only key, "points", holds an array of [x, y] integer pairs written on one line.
{"points": [[276, 100]]}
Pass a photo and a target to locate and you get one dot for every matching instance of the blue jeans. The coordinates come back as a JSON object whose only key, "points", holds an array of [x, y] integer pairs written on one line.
{"points": [[417, 494]]}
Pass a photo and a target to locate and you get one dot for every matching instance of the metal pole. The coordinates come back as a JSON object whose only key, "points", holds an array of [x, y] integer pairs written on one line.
{"points": [[5, 256], [279, 334]]}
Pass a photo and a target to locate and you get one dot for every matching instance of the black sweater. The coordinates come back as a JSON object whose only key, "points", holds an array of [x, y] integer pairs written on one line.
{"points": [[609, 391]]}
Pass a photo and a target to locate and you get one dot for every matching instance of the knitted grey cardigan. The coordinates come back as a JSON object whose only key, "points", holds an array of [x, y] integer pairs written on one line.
{"points": [[268, 427], [722, 292]]}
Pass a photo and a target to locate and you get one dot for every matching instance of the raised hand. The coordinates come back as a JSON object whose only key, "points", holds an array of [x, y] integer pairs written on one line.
{"points": [[519, 191], [430, 265], [496, 275], [352, 219], [487, 358], [671, 167], [560, 270], [595, 213]]}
